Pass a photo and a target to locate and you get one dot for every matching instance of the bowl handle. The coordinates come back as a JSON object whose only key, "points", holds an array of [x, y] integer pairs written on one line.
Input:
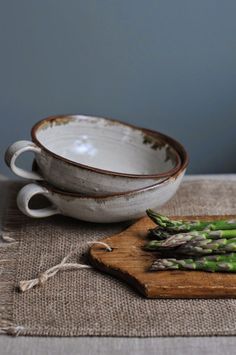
{"points": [[24, 196], [13, 152]]}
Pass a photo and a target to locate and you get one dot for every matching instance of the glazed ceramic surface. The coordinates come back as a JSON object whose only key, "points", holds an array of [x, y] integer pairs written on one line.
{"points": [[101, 209], [96, 156]]}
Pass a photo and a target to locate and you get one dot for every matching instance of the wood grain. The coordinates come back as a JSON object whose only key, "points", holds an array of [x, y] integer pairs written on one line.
{"points": [[129, 262]]}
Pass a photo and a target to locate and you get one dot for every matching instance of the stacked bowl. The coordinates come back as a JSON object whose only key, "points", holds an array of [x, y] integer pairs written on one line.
{"points": [[97, 169]]}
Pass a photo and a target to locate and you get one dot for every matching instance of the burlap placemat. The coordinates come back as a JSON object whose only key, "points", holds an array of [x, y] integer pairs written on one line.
{"points": [[86, 302]]}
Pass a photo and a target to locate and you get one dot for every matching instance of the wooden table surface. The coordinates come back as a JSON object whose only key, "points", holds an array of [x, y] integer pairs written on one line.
{"points": [[123, 346]]}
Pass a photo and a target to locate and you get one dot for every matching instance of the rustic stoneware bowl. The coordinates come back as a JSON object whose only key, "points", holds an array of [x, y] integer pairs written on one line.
{"points": [[96, 156], [101, 209]]}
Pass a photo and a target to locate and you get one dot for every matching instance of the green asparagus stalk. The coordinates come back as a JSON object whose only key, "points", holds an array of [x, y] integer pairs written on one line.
{"points": [[182, 238], [211, 263], [198, 246], [176, 240], [208, 246], [186, 226]]}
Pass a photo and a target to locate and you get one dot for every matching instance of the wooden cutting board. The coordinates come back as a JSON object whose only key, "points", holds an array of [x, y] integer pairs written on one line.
{"points": [[129, 262]]}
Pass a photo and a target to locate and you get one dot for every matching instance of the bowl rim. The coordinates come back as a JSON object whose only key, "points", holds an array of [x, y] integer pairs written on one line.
{"points": [[68, 117], [116, 195], [56, 190]]}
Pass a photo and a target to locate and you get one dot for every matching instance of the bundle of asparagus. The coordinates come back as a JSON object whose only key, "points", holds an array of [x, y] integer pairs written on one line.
{"points": [[195, 239]]}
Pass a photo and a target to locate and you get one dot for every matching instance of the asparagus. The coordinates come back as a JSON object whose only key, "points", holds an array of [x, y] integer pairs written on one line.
{"points": [[208, 246], [182, 238], [186, 226], [175, 241], [211, 263], [200, 245]]}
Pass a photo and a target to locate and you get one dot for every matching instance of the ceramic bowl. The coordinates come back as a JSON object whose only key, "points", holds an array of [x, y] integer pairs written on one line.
{"points": [[101, 209], [96, 156]]}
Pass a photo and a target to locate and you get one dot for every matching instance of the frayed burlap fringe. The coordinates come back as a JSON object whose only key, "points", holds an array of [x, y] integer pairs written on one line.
{"points": [[8, 264], [8, 261]]}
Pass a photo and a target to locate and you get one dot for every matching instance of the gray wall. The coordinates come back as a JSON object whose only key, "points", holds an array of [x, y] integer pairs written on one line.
{"points": [[167, 65]]}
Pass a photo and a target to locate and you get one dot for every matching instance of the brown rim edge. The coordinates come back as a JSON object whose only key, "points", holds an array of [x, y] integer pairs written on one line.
{"points": [[55, 190], [173, 143], [177, 146]]}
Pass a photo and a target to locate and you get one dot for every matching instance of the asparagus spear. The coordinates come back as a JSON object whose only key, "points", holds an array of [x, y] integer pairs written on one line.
{"points": [[209, 246], [182, 238], [211, 263], [186, 226], [199, 246], [160, 234], [175, 240]]}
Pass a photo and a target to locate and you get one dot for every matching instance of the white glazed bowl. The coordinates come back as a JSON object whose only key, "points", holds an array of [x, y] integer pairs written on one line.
{"points": [[96, 156], [101, 209]]}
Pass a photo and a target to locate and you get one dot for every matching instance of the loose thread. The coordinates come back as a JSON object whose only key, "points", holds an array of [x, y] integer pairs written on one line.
{"points": [[4, 236], [63, 265], [12, 330], [108, 248]]}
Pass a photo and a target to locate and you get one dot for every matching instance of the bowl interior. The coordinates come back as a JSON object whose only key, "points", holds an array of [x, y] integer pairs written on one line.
{"points": [[107, 145]]}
